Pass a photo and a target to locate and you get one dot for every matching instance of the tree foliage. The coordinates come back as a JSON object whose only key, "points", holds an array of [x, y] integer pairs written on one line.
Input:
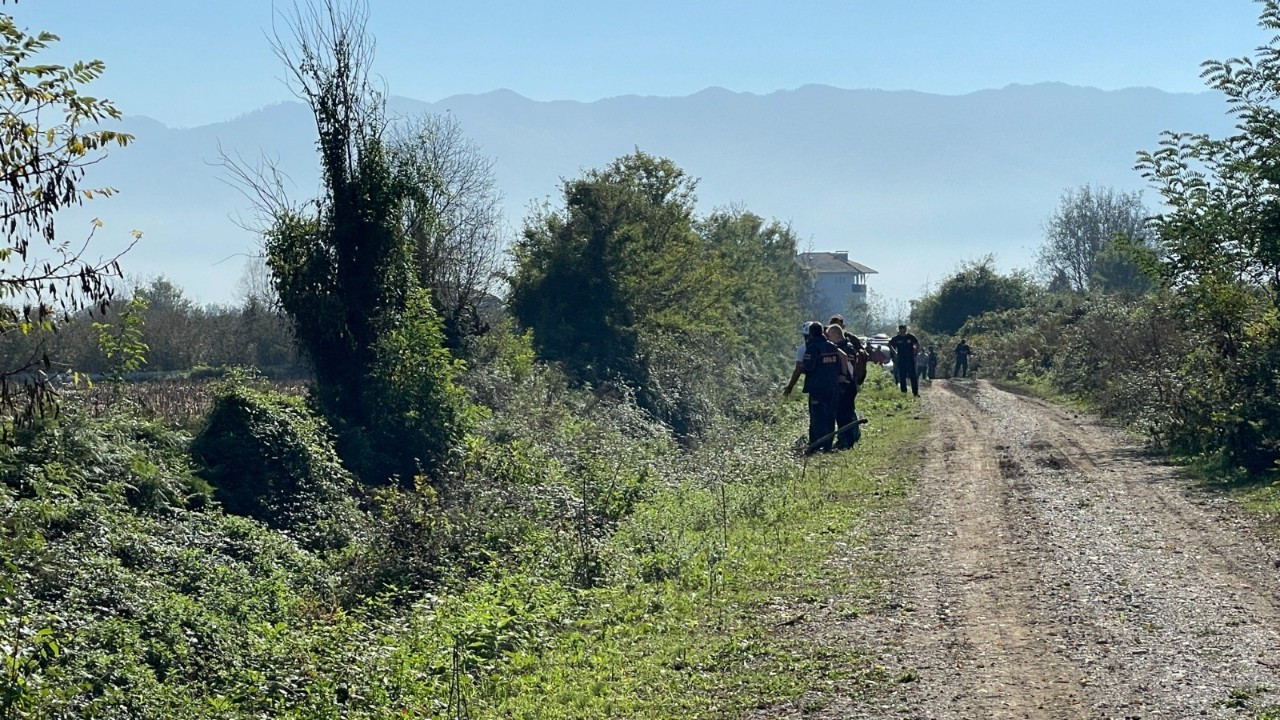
{"points": [[1221, 235], [625, 284], [1085, 226], [766, 284], [1221, 243], [50, 132], [343, 265], [974, 289], [621, 260], [452, 215]]}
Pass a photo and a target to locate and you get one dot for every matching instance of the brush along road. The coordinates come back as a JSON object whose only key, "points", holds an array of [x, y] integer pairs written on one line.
{"points": [[1046, 567]]}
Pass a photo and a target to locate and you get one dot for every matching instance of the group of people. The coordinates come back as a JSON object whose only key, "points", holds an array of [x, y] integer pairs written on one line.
{"points": [[834, 365]]}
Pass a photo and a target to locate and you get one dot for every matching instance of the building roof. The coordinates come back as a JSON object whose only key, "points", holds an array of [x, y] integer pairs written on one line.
{"points": [[833, 262]]}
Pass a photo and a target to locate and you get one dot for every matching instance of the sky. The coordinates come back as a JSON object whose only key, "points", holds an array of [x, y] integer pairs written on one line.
{"points": [[188, 63]]}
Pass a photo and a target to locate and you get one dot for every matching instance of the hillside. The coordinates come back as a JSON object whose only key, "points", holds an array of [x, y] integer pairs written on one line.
{"points": [[872, 172]]}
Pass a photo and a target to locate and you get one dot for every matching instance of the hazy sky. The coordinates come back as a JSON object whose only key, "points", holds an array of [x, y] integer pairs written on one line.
{"points": [[190, 63]]}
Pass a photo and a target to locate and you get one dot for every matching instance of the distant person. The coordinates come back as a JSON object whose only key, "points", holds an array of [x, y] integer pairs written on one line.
{"points": [[932, 366], [904, 346], [962, 359], [922, 363], [820, 363]]}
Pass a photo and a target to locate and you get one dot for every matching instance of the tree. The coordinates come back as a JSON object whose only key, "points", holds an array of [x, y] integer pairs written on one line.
{"points": [[1123, 267], [1222, 230], [256, 286], [620, 261], [1085, 223], [766, 285], [343, 265], [622, 289], [174, 330], [1220, 239], [872, 315], [452, 214], [974, 289], [50, 135]]}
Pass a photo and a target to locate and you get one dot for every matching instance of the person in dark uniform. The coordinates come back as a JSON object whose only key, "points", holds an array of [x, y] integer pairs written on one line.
{"points": [[904, 346], [933, 363], [821, 366], [962, 352], [847, 385]]}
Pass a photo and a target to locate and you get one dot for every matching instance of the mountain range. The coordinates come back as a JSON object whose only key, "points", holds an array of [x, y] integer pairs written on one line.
{"points": [[909, 183]]}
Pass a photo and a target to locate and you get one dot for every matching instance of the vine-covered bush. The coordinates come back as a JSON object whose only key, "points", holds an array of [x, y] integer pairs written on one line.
{"points": [[270, 458], [421, 414]]}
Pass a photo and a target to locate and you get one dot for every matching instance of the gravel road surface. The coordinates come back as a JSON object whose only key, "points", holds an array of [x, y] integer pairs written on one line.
{"points": [[1046, 567]]}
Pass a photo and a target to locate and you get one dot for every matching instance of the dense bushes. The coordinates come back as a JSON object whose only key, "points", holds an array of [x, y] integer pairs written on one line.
{"points": [[161, 604], [1140, 361], [625, 287], [272, 459]]}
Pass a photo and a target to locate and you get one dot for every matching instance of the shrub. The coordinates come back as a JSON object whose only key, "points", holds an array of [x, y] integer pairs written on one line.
{"points": [[421, 415], [271, 458]]}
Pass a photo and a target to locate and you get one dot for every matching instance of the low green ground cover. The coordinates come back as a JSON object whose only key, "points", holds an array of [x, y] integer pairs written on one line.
{"points": [[710, 570], [591, 568]]}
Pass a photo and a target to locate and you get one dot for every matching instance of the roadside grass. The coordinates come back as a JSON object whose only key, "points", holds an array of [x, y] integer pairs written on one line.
{"points": [[712, 573], [1039, 387], [1259, 493]]}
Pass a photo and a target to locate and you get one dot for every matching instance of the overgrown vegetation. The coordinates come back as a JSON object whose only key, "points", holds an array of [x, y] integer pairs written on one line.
{"points": [[518, 585], [1171, 325], [625, 286], [468, 515]]}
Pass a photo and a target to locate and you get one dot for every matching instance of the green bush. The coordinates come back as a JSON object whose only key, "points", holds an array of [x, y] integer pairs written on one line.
{"points": [[421, 416], [271, 458]]}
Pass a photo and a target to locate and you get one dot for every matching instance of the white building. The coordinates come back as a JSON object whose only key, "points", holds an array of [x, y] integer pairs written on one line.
{"points": [[839, 283]]}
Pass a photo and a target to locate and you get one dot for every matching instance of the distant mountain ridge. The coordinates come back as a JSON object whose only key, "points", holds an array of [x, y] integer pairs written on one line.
{"points": [[909, 183]]}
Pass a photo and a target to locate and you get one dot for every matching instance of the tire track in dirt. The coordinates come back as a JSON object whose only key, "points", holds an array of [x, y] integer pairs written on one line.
{"points": [[975, 574]]}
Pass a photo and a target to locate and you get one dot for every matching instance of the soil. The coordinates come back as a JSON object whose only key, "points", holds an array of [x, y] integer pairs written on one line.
{"points": [[1047, 567]]}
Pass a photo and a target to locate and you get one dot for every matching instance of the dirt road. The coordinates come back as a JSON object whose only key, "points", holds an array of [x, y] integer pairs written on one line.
{"points": [[1052, 570]]}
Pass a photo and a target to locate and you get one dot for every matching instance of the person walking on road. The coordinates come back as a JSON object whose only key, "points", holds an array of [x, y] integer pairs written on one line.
{"points": [[905, 345], [820, 362], [932, 366], [962, 359]]}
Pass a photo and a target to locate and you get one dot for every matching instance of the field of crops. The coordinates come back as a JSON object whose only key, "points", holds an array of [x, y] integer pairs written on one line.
{"points": [[179, 402]]}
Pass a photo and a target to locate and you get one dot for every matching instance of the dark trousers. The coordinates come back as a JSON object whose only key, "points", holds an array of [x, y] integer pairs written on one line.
{"points": [[822, 420], [908, 372], [962, 368], [846, 414]]}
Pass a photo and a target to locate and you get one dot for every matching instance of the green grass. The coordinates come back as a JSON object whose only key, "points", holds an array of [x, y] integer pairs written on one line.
{"points": [[700, 630]]}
